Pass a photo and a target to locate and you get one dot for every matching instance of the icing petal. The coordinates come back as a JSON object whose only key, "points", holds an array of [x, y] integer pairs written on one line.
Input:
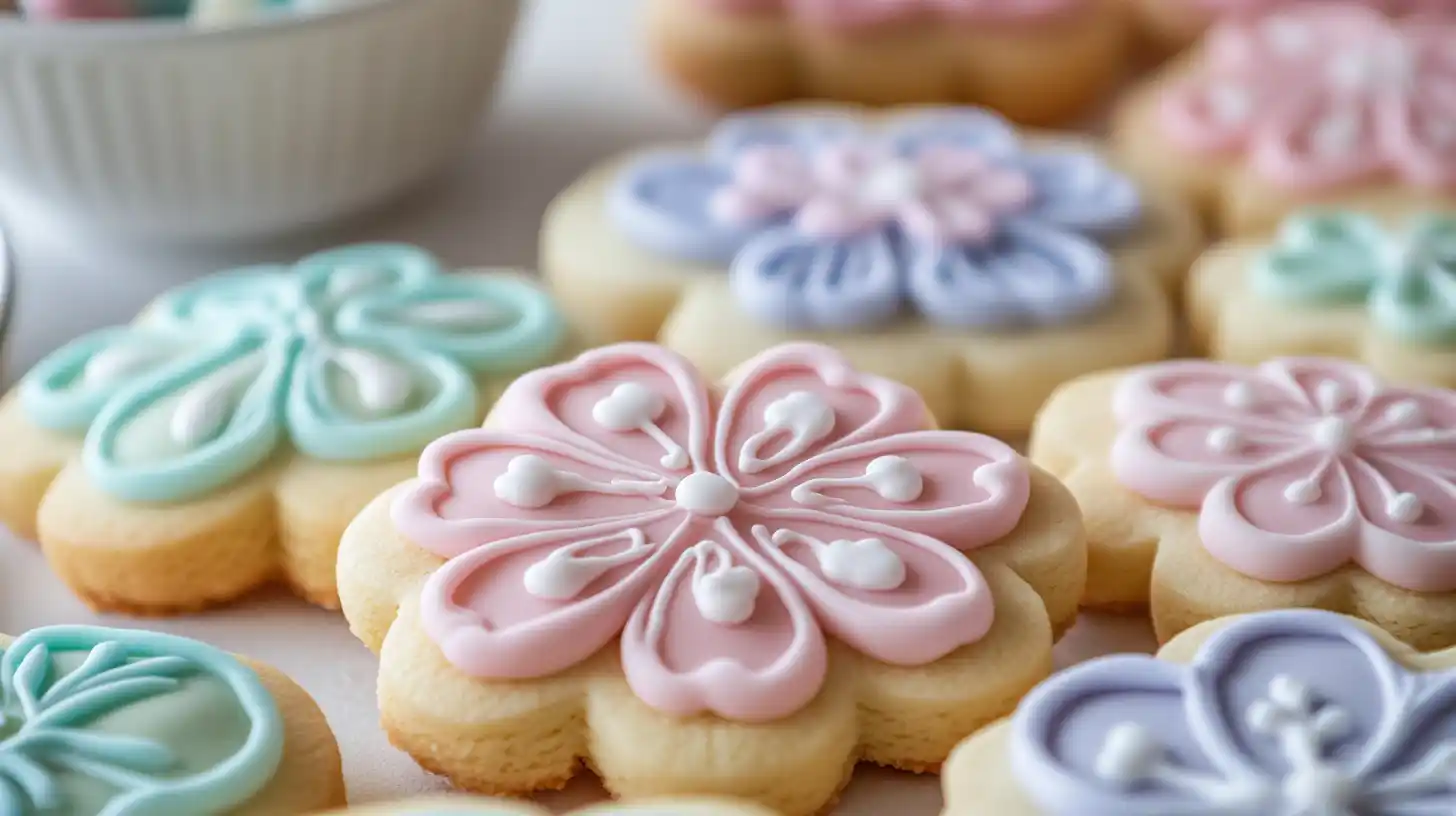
{"points": [[1328, 142], [664, 202], [725, 633], [1417, 302], [1077, 190], [67, 389], [896, 596], [1028, 274], [969, 129], [371, 400], [91, 689], [1088, 741], [1289, 521], [1410, 540], [1282, 670], [224, 302], [480, 486], [802, 131], [541, 603], [796, 401], [1411, 769], [965, 489], [1178, 460], [194, 427], [1324, 258], [1269, 397], [1415, 427], [634, 400], [1214, 113], [489, 323], [335, 277], [787, 279]]}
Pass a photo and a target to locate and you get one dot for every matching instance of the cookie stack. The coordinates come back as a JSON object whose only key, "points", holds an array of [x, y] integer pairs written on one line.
{"points": [[810, 441]]}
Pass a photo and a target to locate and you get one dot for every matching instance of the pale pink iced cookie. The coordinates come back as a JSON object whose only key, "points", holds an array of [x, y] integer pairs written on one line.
{"points": [[692, 590], [936, 246], [1320, 103], [469, 806], [1167, 26], [1036, 61], [1213, 489], [1289, 713], [1339, 284]]}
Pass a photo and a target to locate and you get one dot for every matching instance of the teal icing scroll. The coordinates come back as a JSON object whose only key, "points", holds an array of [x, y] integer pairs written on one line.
{"points": [[107, 722], [1405, 278], [359, 353]]}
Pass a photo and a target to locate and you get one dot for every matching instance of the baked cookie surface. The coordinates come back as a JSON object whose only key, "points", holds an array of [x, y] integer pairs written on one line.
{"points": [[106, 722], [933, 246], [740, 591], [1212, 489], [226, 438], [1276, 713], [1036, 61], [465, 806]]}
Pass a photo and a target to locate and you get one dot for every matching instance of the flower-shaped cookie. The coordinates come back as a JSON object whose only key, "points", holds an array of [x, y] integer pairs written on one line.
{"points": [[1288, 713], [104, 721], [934, 247], [465, 806], [320, 381], [679, 561], [1303, 482], [1036, 61], [1338, 283], [1313, 104]]}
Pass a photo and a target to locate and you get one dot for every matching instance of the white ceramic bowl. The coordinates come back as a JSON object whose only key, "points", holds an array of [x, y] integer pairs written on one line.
{"points": [[156, 130]]}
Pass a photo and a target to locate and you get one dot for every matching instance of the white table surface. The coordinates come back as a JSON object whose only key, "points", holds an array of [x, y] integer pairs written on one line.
{"points": [[578, 90]]}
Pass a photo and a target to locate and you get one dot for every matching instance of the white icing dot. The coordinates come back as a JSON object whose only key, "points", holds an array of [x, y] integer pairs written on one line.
{"points": [[1336, 136], [529, 482], [1129, 755], [384, 387], [1288, 38], [1403, 412], [804, 415], [114, 364], [1335, 435], [865, 563], [1303, 492], [1238, 395], [634, 407], [706, 494], [895, 478], [1329, 394], [455, 315], [889, 184], [1224, 440], [1230, 104], [727, 595], [1404, 508]]}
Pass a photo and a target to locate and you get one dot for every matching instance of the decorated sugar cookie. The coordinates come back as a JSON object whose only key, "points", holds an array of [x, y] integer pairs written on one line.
{"points": [[1290, 713], [735, 591], [1170, 25], [935, 246], [1036, 61], [464, 806], [1213, 489], [1337, 283], [226, 437], [1322, 103], [106, 722]]}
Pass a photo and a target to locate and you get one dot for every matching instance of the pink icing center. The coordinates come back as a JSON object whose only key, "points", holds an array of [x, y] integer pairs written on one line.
{"points": [[719, 538], [942, 194], [1324, 95], [1298, 467]]}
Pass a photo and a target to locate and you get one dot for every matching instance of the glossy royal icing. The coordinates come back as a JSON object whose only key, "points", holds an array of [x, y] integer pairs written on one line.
{"points": [[862, 13], [1405, 277], [1298, 466], [824, 223], [103, 722], [716, 534], [1293, 713], [359, 353], [1321, 95]]}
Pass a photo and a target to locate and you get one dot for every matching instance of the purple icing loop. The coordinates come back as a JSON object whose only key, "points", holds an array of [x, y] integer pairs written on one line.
{"points": [[824, 224], [1296, 713]]}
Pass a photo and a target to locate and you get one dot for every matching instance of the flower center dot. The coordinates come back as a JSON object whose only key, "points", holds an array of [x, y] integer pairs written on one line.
{"points": [[706, 494], [1335, 435], [890, 183]]}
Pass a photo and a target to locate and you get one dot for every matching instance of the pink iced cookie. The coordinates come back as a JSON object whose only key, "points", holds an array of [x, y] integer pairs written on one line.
{"points": [[750, 568], [82, 9], [1217, 489]]}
